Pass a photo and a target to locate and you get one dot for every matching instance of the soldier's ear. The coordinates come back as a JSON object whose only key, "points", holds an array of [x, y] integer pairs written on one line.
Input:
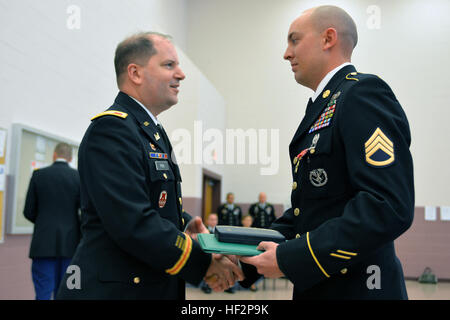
{"points": [[134, 73], [329, 38]]}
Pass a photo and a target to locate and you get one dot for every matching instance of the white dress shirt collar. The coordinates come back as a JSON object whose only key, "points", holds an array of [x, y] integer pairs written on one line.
{"points": [[146, 110], [327, 79]]}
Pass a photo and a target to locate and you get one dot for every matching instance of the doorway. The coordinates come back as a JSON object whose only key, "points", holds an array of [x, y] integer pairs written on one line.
{"points": [[211, 193]]}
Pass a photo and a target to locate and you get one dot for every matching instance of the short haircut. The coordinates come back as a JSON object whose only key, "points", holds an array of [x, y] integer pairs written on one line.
{"points": [[324, 17], [138, 49], [63, 150]]}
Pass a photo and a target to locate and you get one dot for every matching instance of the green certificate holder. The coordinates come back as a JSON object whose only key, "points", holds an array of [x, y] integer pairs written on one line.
{"points": [[210, 244]]}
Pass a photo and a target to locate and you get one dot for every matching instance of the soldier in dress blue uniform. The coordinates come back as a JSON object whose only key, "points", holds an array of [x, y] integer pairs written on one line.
{"points": [[138, 243], [262, 212], [352, 190], [229, 213]]}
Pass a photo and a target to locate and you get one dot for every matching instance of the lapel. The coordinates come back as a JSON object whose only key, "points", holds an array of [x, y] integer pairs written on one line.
{"points": [[314, 111], [144, 120], [148, 126]]}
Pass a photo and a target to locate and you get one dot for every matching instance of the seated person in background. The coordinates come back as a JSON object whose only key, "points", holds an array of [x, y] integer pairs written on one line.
{"points": [[247, 221], [211, 222]]}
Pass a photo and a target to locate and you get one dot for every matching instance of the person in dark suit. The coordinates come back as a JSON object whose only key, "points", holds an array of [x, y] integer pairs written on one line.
{"points": [[229, 213], [262, 212], [52, 204], [138, 242], [211, 223], [353, 188]]}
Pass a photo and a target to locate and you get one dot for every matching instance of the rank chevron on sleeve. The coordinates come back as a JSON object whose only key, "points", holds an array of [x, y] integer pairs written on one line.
{"points": [[379, 149]]}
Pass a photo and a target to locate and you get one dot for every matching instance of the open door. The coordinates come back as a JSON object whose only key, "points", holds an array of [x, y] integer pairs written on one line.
{"points": [[211, 193]]}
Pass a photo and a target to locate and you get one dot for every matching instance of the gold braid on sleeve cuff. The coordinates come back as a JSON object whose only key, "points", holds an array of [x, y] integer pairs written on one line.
{"points": [[186, 252]]}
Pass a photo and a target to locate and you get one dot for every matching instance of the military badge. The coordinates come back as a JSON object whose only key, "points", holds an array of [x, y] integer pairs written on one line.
{"points": [[162, 199], [152, 146], [157, 137], [318, 177], [299, 157], [325, 118], [335, 96], [379, 150], [314, 141], [162, 165], [157, 155]]}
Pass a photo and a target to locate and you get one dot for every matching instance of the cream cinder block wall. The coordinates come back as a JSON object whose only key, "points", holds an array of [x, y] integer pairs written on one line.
{"points": [[200, 108], [58, 71], [55, 76], [239, 45]]}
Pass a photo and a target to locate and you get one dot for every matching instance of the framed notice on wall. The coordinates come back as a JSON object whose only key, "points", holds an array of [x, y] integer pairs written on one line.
{"points": [[2, 182], [31, 149]]}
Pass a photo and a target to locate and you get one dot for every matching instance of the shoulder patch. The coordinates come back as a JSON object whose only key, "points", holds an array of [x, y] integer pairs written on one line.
{"points": [[111, 113], [379, 150]]}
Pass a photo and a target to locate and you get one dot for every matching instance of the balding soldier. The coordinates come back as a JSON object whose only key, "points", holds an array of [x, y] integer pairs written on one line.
{"points": [[137, 240], [353, 190], [262, 212], [52, 204]]}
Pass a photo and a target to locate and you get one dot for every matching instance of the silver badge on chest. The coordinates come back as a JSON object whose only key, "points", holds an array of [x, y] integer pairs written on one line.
{"points": [[318, 177]]}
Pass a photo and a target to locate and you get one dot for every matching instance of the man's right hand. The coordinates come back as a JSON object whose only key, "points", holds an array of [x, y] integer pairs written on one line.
{"points": [[222, 273]]}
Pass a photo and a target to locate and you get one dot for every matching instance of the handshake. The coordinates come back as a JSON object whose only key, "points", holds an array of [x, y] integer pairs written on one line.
{"points": [[224, 270]]}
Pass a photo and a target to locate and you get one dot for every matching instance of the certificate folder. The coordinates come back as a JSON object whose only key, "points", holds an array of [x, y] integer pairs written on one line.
{"points": [[210, 244], [244, 235]]}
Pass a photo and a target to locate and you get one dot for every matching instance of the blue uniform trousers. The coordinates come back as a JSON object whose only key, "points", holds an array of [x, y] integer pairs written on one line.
{"points": [[47, 274]]}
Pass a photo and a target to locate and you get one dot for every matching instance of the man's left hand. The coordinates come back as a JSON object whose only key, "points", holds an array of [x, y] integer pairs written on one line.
{"points": [[266, 262]]}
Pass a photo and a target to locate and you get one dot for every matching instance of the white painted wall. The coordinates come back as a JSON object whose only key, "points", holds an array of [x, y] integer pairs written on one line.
{"points": [[200, 108], [54, 76], [239, 45]]}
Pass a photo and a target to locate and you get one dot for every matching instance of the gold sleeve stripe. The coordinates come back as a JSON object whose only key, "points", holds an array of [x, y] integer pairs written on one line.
{"points": [[346, 252], [339, 256], [183, 258], [314, 257], [111, 113]]}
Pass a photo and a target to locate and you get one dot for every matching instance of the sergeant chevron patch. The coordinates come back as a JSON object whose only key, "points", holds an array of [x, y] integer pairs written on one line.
{"points": [[379, 150]]}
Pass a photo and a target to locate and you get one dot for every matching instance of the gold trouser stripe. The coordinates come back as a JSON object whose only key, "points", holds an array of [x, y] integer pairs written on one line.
{"points": [[339, 256], [183, 258], [314, 257], [346, 252]]}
